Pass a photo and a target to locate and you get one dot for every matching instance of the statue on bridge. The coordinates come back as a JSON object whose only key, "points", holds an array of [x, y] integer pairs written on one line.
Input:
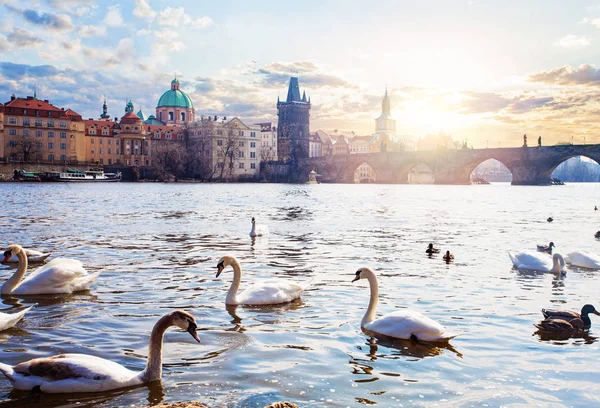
{"points": [[540, 141], [525, 140]]}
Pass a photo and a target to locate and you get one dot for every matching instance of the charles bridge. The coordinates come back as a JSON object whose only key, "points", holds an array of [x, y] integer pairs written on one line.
{"points": [[528, 165]]}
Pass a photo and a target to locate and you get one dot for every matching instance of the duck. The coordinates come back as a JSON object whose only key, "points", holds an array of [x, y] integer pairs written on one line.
{"points": [[597, 235], [32, 256], [270, 292], [448, 257], [574, 326], [534, 261], [60, 275], [401, 324], [583, 259], [550, 219], [431, 250], [546, 248], [258, 230], [570, 315], [68, 373], [8, 320]]}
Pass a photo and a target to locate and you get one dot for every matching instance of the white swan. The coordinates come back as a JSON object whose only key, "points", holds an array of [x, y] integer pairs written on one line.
{"points": [[262, 293], [32, 256], [258, 230], [583, 259], [534, 261], [61, 275], [85, 373], [402, 324], [8, 320]]}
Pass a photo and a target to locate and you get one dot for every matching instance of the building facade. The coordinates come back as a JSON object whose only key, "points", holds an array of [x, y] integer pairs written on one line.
{"points": [[293, 127], [35, 130], [268, 141]]}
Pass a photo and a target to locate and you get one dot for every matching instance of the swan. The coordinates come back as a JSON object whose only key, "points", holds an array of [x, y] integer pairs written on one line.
{"points": [[534, 261], [402, 324], [61, 275], [262, 293], [258, 230], [8, 320], [569, 315], [85, 373], [431, 250], [546, 248], [448, 257], [32, 256], [583, 259]]}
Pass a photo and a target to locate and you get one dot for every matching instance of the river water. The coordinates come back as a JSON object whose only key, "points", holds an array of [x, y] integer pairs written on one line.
{"points": [[157, 246]]}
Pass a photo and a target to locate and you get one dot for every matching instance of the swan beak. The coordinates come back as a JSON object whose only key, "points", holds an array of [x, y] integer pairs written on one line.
{"points": [[6, 258], [220, 268], [355, 279], [192, 330]]}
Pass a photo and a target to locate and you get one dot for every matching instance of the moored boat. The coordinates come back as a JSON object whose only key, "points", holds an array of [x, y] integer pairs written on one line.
{"points": [[81, 176]]}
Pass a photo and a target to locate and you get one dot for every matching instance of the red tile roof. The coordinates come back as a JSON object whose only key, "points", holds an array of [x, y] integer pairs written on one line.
{"points": [[130, 118], [31, 103]]}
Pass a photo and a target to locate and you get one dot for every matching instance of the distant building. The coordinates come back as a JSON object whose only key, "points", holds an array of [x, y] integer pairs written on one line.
{"points": [[293, 128], [360, 144], [175, 106], [268, 141], [385, 123], [315, 145]]}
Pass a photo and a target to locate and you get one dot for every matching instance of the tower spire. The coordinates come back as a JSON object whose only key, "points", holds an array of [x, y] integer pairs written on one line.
{"points": [[34, 91], [105, 114]]}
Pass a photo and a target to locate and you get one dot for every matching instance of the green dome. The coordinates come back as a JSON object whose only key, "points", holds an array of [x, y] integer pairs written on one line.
{"points": [[177, 99]]}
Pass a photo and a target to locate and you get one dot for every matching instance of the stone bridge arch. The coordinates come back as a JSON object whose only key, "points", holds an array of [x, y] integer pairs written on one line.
{"points": [[469, 166], [548, 168]]}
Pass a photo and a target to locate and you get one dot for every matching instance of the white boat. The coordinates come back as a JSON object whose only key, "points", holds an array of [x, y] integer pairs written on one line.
{"points": [[78, 175]]}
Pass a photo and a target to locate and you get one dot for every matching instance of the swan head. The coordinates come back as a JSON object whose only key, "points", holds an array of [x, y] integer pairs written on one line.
{"points": [[185, 321], [12, 250], [224, 262], [363, 273], [253, 220], [587, 309]]}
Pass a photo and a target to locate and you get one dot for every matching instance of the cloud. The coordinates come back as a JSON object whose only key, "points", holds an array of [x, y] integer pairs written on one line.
{"points": [[144, 11], [19, 71], [525, 104], [113, 17], [278, 74], [573, 41], [176, 17], [22, 38], [585, 75], [91, 31], [593, 21], [57, 22], [482, 102], [4, 44]]}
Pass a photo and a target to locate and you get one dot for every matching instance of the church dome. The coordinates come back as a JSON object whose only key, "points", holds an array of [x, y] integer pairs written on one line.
{"points": [[175, 98]]}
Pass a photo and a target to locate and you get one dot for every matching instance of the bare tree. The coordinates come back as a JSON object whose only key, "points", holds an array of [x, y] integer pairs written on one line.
{"points": [[26, 149], [169, 159]]}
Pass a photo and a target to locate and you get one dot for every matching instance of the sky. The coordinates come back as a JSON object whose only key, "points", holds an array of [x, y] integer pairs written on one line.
{"points": [[484, 71]]}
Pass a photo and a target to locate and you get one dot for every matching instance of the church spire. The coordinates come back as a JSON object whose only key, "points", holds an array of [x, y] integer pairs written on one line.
{"points": [[304, 96], [385, 104], [293, 91], [105, 114], [34, 91]]}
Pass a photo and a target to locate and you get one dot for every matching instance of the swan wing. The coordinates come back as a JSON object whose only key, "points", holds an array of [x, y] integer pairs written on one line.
{"points": [[583, 259], [70, 373], [60, 275], [404, 324], [270, 293], [8, 320], [531, 260]]}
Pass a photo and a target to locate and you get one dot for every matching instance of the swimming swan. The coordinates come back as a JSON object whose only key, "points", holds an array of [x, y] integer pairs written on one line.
{"points": [[60, 275], [261, 293], [583, 259], [8, 320], [86, 373], [258, 230], [534, 261], [32, 256], [402, 324]]}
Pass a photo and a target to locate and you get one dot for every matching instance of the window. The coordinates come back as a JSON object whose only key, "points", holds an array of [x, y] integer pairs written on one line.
{"points": [[168, 135], [219, 142], [109, 151], [38, 122], [241, 133], [252, 134], [63, 124], [117, 151], [38, 156], [105, 132], [39, 145], [109, 161], [171, 116], [253, 155], [240, 154], [25, 132], [109, 141], [157, 134], [63, 146], [101, 151], [38, 133], [241, 144], [219, 131], [63, 157], [92, 150], [12, 143], [252, 144], [183, 116], [50, 133], [241, 165], [252, 165], [100, 140], [51, 157], [180, 137], [25, 122], [12, 132], [160, 116], [63, 135], [50, 145], [92, 141], [101, 160], [50, 123], [12, 121]]}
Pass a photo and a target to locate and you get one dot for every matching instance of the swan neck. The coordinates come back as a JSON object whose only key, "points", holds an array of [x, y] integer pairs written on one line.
{"points": [[372, 308], [153, 369], [14, 280], [556, 263], [235, 285]]}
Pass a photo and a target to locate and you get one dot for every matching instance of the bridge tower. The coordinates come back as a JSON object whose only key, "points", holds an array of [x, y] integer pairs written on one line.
{"points": [[294, 125]]}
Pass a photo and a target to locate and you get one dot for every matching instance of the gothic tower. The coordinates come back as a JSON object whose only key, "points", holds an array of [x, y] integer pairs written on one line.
{"points": [[294, 124], [105, 114], [385, 123]]}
